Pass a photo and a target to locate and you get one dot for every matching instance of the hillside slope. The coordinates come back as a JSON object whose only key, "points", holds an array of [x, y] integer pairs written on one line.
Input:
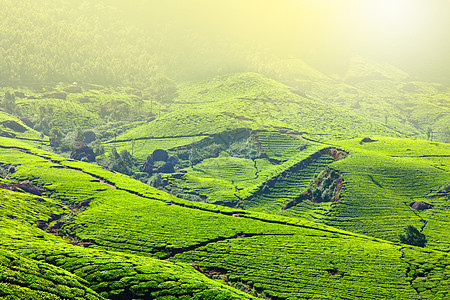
{"points": [[385, 94], [250, 100], [250, 251]]}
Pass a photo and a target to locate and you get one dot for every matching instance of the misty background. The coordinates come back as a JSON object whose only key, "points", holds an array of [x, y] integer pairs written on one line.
{"points": [[124, 42]]}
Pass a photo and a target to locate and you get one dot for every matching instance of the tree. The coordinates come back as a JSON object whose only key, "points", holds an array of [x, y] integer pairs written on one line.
{"points": [[412, 236], [122, 163], [56, 136], [163, 89], [430, 133], [9, 102]]}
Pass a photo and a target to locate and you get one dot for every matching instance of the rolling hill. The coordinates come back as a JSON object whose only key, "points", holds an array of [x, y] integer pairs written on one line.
{"points": [[112, 232], [172, 151]]}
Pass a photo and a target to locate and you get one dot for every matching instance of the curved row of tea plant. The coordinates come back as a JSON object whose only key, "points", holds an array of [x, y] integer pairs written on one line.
{"points": [[44, 273], [381, 181]]}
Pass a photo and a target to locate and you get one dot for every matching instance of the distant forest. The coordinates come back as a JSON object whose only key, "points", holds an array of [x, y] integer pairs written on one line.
{"points": [[86, 41]]}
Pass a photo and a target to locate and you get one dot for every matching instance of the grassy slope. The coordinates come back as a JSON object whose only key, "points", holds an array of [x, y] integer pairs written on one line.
{"points": [[139, 221], [250, 100], [28, 134], [384, 94], [229, 180], [22, 278], [383, 178], [87, 108], [112, 275]]}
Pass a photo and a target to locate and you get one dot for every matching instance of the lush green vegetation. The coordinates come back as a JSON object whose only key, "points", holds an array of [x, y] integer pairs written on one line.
{"points": [[246, 201], [387, 95], [148, 154], [382, 179], [249, 251]]}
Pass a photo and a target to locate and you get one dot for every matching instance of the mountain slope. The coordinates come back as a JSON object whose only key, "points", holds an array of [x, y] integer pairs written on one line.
{"points": [[253, 101], [110, 211]]}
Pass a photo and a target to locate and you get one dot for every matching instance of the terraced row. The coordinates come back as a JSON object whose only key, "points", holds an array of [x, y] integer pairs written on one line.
{"points": [[280, 146], [308, 265], [44, 273], [379, 189], [272, 254], [287, 187]]}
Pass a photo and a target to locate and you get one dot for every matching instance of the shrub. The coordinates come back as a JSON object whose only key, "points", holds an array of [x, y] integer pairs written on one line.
{"points": [[412, 236], [163, 89], [244, 149], [122, 163], [326, 195], [155, 180], [316, 194], [326, 183]]}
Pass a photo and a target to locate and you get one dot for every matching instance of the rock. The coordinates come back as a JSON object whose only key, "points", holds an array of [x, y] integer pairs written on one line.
{"points": [[166, 168], [366, 140], [14, 126], [73, 89], [419, 205], [56, 95], [160, 155], [83, 151]]}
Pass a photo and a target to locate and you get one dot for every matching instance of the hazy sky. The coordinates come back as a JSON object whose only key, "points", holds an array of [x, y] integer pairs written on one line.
{"points": [[412, 34]]}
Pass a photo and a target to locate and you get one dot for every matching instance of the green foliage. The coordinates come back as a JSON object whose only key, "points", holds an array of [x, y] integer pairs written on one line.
{"points": [[428, 271], [22, 278], [281, 255], [303, 264], [75, 49], [234, 101], [56, 136], [381, 178], [288, 186], [121, 162], [245, 149], [8, 102], [413, 237], [162, 89], [155, 180]]}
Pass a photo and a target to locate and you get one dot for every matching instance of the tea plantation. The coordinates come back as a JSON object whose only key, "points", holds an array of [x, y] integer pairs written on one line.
{"points": [[239, 189], [119, 238]]}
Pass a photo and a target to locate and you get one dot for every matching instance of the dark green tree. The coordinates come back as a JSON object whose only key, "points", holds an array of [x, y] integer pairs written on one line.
{"points": [[8, 102], [121, 162], [413, 236], [56, 136], [163, 89]]}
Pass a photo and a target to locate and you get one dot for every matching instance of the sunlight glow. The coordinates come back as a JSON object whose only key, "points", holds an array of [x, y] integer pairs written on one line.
{"points": [[393, 11], [391, 15]]}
